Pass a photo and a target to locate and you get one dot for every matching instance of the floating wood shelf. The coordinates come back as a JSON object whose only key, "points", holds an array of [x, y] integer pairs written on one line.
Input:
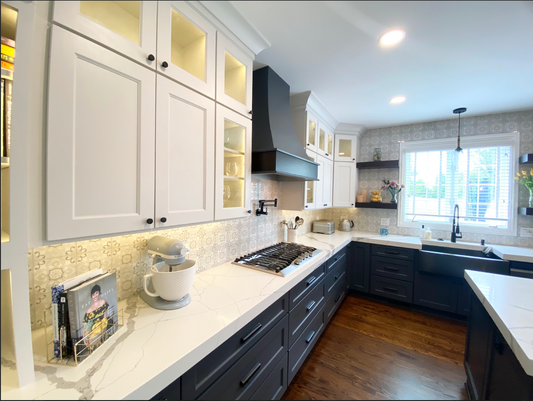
{"points": [[526, 159], [377, 205], [525, 211], [380, 164]]}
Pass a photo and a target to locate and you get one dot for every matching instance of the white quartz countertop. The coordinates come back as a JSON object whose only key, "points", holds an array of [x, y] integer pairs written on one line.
{"points": [[509, 302]]}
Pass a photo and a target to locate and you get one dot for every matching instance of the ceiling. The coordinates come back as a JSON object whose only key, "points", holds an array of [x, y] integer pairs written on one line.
{"points": [[474, 54]]}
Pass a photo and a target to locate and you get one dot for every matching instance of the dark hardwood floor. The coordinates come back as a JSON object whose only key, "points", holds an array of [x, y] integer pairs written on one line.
{"points": [[372, 350]]}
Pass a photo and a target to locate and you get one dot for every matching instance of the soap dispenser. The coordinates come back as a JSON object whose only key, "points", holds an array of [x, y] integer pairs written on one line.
{"points": [[423, 232]]}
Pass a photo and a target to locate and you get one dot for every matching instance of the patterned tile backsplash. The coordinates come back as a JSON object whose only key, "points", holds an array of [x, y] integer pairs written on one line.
{"points": [[210, 244]]}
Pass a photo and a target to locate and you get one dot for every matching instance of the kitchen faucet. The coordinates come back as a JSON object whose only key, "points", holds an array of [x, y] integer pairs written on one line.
{"points": [[456, 231]]}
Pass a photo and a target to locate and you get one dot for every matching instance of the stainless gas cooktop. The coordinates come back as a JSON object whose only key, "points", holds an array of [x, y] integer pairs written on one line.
{"points": [[281, 259]]}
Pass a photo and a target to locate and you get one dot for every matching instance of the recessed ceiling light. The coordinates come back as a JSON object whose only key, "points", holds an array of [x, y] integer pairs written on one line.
{"points": [[397, 99], [392, 37]]}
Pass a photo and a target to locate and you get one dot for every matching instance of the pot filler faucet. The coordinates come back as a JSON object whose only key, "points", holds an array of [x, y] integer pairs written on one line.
{"points": [[456, 231]]}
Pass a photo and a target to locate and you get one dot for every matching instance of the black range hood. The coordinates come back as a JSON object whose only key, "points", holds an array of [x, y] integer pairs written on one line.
{"points": [[276, 150]]}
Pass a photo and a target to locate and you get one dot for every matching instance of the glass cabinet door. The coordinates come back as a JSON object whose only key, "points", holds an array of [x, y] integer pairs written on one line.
{"points": [[329, 148], [345, 148], [310, 186], [233, 136], [186, 46], [322, 141], [128, 27], [312, 132]]}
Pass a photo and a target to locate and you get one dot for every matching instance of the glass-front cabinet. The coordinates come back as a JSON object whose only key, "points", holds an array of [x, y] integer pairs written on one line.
{"points": [[233, 168], [345, 148], [234, 76], [311, 133], [186, 46], [126, 26], [325, 142], [311, 186]]}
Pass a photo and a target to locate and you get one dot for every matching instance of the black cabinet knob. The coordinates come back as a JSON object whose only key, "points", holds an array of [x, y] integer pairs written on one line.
{"points": [[164, 64], [251, 112], [149, 221], [353, 159], [150, 57], [163, 219], [249, 212], [306, 206], [308, 144], [327, 154]]}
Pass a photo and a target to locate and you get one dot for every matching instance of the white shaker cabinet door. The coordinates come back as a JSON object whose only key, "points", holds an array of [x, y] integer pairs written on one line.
{"points": [[101, 140], [327, 186], [345, 184], [185, 148], [129, 27]]}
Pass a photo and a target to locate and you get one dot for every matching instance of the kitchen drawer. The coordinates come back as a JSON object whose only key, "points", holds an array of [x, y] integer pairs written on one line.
{"points": [[171, 392], [305, 343], [390, 288], [197, 379], [338, 258], [393, 252], [333, 277], [245, 377], [305, 311], [337, 295], [521, 269], [275, 384], [300, 290], [392, 268]]}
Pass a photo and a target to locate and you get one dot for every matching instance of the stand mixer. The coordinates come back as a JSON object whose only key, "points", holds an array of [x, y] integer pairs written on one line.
{"points": [[175, 274]]}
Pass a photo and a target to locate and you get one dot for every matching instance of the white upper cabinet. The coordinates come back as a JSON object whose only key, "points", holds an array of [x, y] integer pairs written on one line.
{"points": [[345, 148], [325, 141], [325, 191], [311, 132], [311, 186], [234, 76], [186, 46], [185, 148], [345, 184], [129, 27], [233, 164], [101, 139]]}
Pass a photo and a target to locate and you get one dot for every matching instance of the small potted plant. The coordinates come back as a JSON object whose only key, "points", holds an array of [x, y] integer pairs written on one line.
{"points": [[527, 180], [394, 188]]}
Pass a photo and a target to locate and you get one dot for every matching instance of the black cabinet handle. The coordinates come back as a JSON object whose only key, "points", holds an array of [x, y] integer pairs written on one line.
{"points": [[311, 281], [310, 338], [353, 159], [392, 252], [327, 154], [498, 344], [251, 112], [250, 374], [394, 269], [336, 277], [150, 57], [251, 333], [390, 289], [164, 64], [308, 144], [325, 204], [163, 219], [149, 221], [306, 206], [310, 306], [338, 297], [249, 211]]}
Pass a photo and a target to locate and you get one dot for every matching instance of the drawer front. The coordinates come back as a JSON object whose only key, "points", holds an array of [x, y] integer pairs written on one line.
{"points": [[197, 379], [171, 392], [339, 257], [337, 296], [392, 268], [305, 343], [300, 290], [275, 384], [243, 379], [333, 278], [305, 311], [390, 288], [393, 252]]}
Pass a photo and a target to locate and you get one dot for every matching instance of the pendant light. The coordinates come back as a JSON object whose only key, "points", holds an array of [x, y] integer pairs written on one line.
{"points": [[459, 111]]}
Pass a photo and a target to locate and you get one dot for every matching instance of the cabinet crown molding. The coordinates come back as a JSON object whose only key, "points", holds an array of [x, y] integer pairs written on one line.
{"points": [[309, 101], [233, 24], [350, 129]]}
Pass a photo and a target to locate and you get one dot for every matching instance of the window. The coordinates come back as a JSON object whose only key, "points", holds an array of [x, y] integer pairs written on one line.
{"points": [[479, 180]]}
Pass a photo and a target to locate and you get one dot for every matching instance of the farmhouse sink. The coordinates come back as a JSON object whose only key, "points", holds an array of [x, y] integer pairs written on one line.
{"points": [[459, 251]]}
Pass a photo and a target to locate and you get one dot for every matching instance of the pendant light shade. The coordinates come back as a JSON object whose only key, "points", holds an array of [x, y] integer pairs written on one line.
{"points": [[459, 111]]}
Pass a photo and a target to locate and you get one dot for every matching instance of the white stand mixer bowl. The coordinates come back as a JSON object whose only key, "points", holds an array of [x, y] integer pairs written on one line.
{"points": [[171, 285]]}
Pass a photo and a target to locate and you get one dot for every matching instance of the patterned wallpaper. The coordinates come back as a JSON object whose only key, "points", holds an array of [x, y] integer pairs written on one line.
{"points": [[210, 244], [387, 139]]}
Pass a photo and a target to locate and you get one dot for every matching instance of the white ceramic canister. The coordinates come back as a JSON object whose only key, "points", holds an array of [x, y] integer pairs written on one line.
{"points": [[171, 285], [292, 236]]}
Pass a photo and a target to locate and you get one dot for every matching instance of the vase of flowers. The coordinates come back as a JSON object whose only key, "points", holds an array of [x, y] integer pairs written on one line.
{"points": [[527, 180], [394, 189]]}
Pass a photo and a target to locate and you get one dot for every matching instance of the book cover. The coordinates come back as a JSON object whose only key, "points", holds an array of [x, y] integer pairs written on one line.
{"points": [[7, 42], [92, 308], [5, 57], [57, 290], [2, 118], [7, 66], [8, 105]]}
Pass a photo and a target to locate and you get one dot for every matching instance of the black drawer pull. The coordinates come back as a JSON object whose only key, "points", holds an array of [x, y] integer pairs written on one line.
{"points": [[336, 277], [336, 258], [310, 338], [392, 252], [394, 269], [390, 289], [251, 333], [310, 306], [250, 374], [338, 297], [311, 281]]}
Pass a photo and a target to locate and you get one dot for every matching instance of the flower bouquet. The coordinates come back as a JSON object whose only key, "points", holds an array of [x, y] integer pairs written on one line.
{"points": [[394, 188], [527, 180]]}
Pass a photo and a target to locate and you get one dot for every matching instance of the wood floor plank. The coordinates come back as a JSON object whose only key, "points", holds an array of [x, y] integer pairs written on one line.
{"points": [[372, 350]]}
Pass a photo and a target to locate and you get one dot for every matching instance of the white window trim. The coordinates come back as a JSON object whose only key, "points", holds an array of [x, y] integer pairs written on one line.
{"points": [[511, 139]]}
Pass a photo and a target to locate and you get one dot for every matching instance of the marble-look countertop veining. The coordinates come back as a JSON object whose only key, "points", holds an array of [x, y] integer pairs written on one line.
{"points": [[509, 302]]}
